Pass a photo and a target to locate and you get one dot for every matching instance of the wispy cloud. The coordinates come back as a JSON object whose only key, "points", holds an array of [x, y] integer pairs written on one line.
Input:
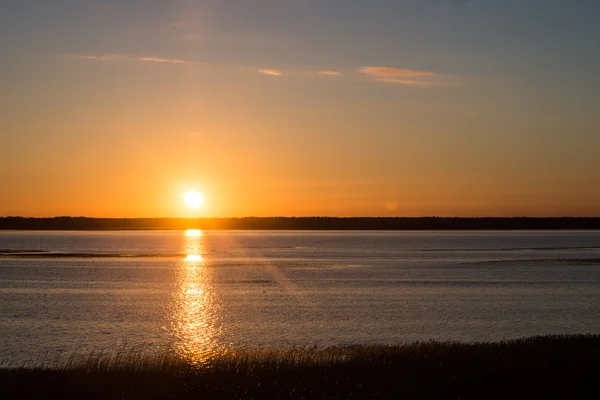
{"points": [[104, 57], [160, 60], [116, 57], [394, 72], [409, 82], [400, 76], [329, 73], [272, 72]]}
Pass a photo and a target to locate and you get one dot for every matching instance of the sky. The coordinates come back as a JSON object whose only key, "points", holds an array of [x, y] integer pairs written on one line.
{"points": [[300, 107]]}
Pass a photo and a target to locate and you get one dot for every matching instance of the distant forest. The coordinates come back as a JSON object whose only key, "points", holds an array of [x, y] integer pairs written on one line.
{"points": [[300, 223]]}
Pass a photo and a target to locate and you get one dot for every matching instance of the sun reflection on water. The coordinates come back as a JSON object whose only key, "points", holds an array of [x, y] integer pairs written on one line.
{"points": [[195, 316], [193, 232], [193, 258]]}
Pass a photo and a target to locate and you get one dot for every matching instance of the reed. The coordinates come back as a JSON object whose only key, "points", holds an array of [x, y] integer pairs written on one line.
{"points": [[537, 367]]}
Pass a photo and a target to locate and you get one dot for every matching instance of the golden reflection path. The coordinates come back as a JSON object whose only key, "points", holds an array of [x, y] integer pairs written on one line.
{"points": [[195, 313]]}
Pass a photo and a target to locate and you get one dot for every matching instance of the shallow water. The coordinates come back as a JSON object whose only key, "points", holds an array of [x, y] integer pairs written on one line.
{"points": [[65, 293]]}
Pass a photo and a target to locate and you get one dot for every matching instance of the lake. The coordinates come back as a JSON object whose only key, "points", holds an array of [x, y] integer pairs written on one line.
{"points": [[193, 293]]}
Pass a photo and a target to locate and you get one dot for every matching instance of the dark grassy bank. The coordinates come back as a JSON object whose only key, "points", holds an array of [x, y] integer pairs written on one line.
{"points": [[540, 367], [304, 223]]}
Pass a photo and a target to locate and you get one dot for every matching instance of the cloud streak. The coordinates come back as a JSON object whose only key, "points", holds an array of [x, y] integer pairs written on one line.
{"points": [[408, 82], [271, 72], [146, 59], [394, 72], [329, 73], [160, 60], [104, 57], [400, 76]]}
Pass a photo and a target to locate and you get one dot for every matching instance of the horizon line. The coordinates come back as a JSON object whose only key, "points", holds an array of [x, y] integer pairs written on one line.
{"points": [[312, 217]]}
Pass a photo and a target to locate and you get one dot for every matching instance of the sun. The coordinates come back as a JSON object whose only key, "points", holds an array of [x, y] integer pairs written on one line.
{"points": [[193, 199]]}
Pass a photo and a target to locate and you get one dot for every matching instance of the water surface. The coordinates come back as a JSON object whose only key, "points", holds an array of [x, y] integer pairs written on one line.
{"points": [[65, 293]]}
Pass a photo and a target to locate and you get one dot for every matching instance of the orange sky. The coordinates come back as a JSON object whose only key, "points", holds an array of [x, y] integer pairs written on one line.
{"points": [[121, 118]]}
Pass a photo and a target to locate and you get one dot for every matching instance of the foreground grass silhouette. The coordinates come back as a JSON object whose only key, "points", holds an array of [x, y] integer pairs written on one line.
{"points": [[538, 367]]}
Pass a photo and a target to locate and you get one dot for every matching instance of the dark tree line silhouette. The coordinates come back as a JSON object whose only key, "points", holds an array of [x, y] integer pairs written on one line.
{"points": [[300, 223]]}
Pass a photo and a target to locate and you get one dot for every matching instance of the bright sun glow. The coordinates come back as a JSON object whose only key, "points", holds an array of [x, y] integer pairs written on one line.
{"points": [[193, 199]]}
